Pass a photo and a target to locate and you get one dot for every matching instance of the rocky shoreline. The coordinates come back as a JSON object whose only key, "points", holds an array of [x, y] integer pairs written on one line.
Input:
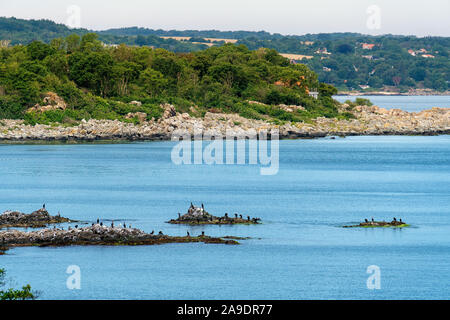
{"points": [[368, 121]]}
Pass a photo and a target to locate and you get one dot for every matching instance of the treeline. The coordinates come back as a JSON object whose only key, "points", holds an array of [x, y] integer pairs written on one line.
{"points": [[398, 61], [97, 81], [346, 64]]}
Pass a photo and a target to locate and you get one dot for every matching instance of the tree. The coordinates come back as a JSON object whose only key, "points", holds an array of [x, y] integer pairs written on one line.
{"points": [[125, 72], [73, 43], [93, 70], [344, 48], [327, 90], [152, 81], [39, 50], [15, 294], [418, 74]]}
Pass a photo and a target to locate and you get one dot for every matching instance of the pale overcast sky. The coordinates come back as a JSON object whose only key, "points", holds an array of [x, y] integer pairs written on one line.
{"points": [[418, 17]]}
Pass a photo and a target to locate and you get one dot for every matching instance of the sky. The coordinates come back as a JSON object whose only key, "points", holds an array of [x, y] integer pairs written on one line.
{"points": [[407, 17]]}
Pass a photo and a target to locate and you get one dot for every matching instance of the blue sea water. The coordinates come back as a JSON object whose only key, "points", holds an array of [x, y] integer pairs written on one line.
{"points": [[300, 251], [407, 103]]}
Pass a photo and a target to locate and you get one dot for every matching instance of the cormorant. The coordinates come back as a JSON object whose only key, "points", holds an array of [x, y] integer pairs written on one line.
{"points": [[188, 234]]}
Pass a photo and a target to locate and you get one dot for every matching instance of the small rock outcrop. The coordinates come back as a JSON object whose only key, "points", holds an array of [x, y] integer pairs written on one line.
{"points": [[37, 219], [136, 103], [380, 224], [51, 102], [198, 215], [169, 111], [141, 116]]}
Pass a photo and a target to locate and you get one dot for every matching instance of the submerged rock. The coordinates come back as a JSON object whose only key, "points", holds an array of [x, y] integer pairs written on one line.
{"points": [[37, 219], [198, 215]]}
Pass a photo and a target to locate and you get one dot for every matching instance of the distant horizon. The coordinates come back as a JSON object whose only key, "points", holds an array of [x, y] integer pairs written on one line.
{"points": [[220, 30], [286, 17]]}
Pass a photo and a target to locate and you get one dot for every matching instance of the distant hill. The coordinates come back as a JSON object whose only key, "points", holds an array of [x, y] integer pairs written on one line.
{"points": [[21, 31], [350, 61]]}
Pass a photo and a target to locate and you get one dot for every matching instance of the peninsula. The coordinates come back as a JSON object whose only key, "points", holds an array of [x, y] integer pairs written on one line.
{"points": [[77, 89]]}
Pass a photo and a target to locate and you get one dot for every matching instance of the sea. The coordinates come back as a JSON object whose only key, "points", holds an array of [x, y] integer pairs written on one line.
{"points": [[300, 251]]}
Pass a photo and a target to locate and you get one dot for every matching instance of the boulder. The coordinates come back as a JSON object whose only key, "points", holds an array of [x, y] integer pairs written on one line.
{"points": [[51, 101], [142, 116], [136, 103], [169, 111]]}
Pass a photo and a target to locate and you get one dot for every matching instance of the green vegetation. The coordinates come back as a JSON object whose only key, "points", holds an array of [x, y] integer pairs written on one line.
{"points": [[359, 102], [394, 61], [98, 81], [14, 294]]}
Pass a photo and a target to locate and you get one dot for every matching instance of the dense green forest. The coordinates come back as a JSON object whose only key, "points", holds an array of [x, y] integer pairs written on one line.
{"points": [[352, 61], [348, 61], [98, 81]]}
